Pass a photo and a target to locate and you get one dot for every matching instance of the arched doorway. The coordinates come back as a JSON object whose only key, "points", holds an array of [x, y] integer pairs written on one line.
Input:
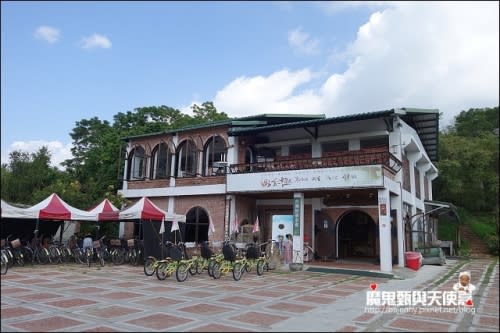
{"points": [[196, 225], [356, 236]]}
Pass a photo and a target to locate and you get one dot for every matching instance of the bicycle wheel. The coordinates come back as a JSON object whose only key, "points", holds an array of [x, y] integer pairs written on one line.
{"points": [[249, 266], [237, 271], [118, 256], [5, 264], [101, 259], [43, 256], [210, 268], [28, 255], [182, 272], [89, 257], [193, 268], [20, 259], [133, 257], [260, 266], [216, 273], [149, 268], [79, 256], [200, 266], [160, 272]]}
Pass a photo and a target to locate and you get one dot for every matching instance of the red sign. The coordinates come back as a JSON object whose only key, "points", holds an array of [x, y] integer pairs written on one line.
{"points": [[383, 209]]}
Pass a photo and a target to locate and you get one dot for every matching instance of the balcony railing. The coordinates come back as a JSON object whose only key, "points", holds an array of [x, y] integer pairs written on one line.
{"points": [[357, 158]]}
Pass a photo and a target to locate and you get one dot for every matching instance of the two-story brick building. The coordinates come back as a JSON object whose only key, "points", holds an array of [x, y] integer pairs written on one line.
{"points": [[356, 186]]}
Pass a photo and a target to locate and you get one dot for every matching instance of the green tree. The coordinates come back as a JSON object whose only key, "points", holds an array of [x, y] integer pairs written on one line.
{"points": [[27, 173], [99, 150], [469, 161]]}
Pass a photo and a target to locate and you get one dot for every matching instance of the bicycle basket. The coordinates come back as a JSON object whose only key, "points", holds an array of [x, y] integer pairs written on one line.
{"points": [[205, 251], [191, 249], [229, 253], [96, 244], [175, 252], [16, 243], [115, 242], [2, 243], [252, 252], [131, 242]]}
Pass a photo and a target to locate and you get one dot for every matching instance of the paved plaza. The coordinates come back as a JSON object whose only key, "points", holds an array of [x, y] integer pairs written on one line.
{"points": [[122, 299]]}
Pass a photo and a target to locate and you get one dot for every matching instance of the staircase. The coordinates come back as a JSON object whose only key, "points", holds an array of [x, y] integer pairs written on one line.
{"points": [[477, 246]]}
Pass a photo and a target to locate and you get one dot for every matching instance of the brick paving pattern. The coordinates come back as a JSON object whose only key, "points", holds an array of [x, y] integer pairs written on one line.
{"points": [[122, 299]]}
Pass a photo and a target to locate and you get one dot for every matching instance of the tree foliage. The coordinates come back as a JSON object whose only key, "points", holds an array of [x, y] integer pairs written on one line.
{"points": [[26, 174], [468, 166]]}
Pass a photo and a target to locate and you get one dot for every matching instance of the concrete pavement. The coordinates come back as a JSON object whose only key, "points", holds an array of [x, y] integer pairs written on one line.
{"points": [[121, 298]]}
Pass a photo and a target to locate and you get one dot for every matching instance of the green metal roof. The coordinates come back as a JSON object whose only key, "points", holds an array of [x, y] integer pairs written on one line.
{"points": [[252, 121], [424, 121]]}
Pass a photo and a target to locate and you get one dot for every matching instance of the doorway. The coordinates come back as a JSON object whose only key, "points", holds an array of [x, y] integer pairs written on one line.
{"points": [[357, 236]]}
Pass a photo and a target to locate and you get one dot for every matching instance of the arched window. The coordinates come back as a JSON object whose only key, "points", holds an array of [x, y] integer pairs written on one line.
{"points": [[196, 225], [137, 163], [215, 153], [187, 161], [161, 160]]}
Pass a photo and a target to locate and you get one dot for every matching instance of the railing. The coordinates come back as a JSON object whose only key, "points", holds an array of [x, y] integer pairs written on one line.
{"points": [[338, 160]]}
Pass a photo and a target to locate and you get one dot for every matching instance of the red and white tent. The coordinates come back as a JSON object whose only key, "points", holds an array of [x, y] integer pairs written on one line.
{"points": [[144, 209], [13, 212], [54, 208], [105, 211]]}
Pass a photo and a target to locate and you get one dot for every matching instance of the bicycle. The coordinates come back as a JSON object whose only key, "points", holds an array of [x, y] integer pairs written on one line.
{"points": [[151, 265], [272, 256], [254, 259], [230, 263], [187, 265], [168, 266], [207, 259], [98, 246]]}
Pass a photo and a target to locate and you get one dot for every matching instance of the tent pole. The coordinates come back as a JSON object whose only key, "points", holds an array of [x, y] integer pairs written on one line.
{"points": [[162, 245], [36, 227], [61, 232]]}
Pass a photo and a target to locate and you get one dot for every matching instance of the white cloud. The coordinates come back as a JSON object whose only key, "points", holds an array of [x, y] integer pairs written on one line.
{"points": [[432, 55], [59, 151], [302, 42], [273, 94], [335, 7], [48, 34], [94, 41]]}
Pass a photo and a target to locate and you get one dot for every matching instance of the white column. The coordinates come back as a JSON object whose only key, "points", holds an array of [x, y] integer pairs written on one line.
{"points": [[384, 229], [298, 228], [396, 203]]}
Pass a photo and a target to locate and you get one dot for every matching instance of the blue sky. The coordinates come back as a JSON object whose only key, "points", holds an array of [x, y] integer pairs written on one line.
{"points": [[67, 61]]}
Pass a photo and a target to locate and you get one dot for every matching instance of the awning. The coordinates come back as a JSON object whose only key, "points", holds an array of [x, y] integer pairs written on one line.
{"points": [[440, 207]]}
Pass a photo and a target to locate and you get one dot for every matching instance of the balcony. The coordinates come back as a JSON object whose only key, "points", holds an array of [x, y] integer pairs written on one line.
{"points": [[331, 160]]}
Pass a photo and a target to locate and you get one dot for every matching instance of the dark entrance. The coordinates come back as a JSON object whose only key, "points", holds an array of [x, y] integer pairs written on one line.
{"points": [[356, 234]]}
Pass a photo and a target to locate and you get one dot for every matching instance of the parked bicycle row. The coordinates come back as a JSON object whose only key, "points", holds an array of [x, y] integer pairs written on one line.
{"points": [[43, 250], [182, 260]]}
